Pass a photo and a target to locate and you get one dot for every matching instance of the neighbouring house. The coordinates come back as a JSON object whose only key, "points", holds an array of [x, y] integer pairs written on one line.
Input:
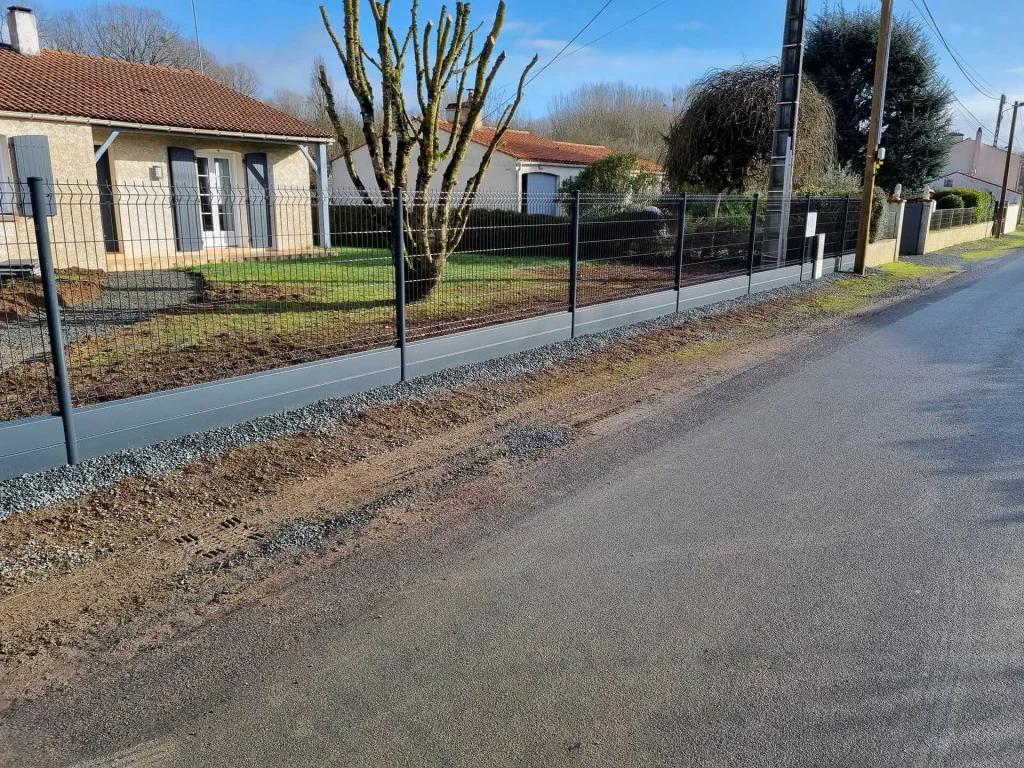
{"points": [[976, 165], [526, 170], [150, 164]]}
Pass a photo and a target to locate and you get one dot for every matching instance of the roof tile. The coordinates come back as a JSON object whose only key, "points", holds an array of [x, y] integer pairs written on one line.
{"points": [[61, 83]]}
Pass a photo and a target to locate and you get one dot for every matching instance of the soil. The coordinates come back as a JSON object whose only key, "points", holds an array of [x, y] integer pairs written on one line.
{"points": [[98, 579], [22, 297], [256, 293]]}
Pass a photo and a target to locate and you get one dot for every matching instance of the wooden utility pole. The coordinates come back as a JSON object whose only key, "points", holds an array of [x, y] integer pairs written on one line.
{"points": [[999, 120], [1006, 173], [874, 136]]}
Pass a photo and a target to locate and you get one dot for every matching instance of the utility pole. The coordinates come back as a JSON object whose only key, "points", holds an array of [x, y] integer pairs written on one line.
{"points": [[1006, 173], [874, 136], [999, 120], [787, 113]]}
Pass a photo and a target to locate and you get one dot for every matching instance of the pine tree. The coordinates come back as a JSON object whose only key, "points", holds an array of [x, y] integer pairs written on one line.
{"points": [[840, 59]]}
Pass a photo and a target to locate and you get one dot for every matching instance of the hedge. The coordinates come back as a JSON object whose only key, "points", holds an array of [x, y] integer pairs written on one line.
{"points": [[947, 202], [982, 200]]}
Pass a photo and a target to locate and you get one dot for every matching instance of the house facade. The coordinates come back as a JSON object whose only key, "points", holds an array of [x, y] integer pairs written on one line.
{"points": [[976, 165], [525, 173], [150, 165]]}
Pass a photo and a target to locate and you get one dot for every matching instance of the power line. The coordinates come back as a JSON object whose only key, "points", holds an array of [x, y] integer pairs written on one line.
{"points": [[613, 31], [958, 60], [553, 58]]}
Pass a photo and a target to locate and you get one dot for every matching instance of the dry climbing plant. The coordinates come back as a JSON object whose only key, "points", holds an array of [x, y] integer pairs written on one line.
{"points": [[446, 61], [721, 140]]}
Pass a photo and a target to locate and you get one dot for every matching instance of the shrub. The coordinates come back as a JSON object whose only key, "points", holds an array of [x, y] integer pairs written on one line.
{"points": [[879, 201], [983, 201], [949, 201]]}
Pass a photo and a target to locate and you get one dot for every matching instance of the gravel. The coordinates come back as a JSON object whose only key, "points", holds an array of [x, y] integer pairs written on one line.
{"points": [[65, 483], [129, 298]]}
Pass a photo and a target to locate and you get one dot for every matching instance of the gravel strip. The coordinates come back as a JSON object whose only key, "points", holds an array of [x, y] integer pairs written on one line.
{"points": [[64, 483], [129, 298]]}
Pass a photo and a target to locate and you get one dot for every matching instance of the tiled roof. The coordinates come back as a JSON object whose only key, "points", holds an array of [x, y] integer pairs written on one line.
{"points": [[59, 83], [524, 145]]}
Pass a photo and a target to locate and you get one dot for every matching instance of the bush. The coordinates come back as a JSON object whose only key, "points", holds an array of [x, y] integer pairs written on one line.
{"points": [[984, 202], [879, 201], [946, 202]]}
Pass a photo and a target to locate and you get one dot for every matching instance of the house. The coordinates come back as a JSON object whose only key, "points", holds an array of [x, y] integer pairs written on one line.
{"points": [[150, 164], [976, 165], [525, 173]]}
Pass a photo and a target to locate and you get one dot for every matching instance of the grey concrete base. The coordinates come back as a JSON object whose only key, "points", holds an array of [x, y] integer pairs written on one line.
{"points": [[776, 278], [432, 355], [31, 445], [708, 293], [614, 314]]}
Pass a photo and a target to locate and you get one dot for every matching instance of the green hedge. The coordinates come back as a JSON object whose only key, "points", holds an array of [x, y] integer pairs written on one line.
{"points": [[982, 200], [948, 202]]}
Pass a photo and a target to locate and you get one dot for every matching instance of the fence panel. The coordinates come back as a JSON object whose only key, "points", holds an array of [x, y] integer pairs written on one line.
{"points": [[26, 370], [164, 288], [511, 262], [953, 217]]}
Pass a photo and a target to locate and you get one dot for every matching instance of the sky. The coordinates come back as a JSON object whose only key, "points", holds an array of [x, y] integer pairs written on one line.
{"points": [[671, 45]]}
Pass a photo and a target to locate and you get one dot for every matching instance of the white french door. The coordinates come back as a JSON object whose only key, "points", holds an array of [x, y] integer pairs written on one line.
{"points": [[218, 204]]}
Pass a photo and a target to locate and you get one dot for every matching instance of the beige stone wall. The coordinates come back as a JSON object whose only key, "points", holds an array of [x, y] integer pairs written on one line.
{"points": [[75, 231], [882, 252], [946, 238], [143, 205]]}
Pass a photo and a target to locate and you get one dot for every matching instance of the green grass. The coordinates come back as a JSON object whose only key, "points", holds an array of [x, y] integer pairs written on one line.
{"points": [[849, 295], [354, 276], [991, 248]]}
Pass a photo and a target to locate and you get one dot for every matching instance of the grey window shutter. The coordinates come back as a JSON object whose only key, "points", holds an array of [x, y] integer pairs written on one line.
{"points": [[32, 158], [188, 231], [257, 188], [6, 179]]}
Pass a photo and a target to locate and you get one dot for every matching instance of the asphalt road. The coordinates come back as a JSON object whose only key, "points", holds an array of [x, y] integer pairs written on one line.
{"points": [[819, 564]]}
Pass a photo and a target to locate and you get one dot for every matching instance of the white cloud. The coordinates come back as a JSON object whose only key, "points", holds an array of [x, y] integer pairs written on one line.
{"points": [[523, 27]]}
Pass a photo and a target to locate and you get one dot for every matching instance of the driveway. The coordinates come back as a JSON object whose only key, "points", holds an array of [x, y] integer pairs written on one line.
{"points": [[129, 298], [820, 564]]}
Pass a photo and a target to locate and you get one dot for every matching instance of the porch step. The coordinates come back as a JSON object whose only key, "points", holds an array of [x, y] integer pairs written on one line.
{"points": [[19, 268]]}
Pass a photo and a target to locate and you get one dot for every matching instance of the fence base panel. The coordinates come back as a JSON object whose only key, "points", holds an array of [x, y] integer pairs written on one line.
{"points": [[603, 317], [31, 445], [775, 278], [708, 293], [446, 352]]}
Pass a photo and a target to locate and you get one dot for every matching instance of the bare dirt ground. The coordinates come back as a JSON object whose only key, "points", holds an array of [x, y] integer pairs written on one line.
{"points": [[97, 580]]}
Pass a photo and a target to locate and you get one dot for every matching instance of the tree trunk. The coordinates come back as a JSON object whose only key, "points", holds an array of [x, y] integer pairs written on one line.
{"points": [[422, 274]]}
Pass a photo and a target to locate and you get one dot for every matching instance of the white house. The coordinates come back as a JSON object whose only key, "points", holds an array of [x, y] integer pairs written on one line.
{"points": [[525, 171], [976, 165]]}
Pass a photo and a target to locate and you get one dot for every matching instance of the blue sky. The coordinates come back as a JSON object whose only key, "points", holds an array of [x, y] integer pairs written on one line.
{"points": [[669, 46]]}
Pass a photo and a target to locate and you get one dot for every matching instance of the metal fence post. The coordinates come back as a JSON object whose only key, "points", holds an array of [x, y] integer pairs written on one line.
{"points": [[842, 237], [40, 207], [574, 258], [398, 235], [753, 242], [680, 244]]}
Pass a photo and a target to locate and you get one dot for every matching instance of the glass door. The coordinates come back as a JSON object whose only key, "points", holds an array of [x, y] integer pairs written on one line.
{"points": [[217, 201]]}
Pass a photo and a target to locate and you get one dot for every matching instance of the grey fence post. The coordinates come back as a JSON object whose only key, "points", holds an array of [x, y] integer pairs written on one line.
{"points": [[753, 242], [680, 244], [40, 207], [574, 257], [842, 236], [398, 233]]}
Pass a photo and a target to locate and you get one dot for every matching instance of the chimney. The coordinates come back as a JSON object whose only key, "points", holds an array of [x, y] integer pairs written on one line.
{"points": [[24, 35], [976, 157], [457, 115]]}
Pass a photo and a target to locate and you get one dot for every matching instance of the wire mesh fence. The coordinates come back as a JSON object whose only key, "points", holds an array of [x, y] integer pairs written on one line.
{"points": [[953, 217], [162, 289]]}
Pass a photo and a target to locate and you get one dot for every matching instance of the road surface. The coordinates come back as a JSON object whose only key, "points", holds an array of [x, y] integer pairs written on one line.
{"points": [[819, 564]]}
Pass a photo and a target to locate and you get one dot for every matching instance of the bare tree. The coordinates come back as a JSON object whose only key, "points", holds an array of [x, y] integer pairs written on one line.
{"points": [[311, 106], [442, 58], [238, 76], [118, 31], [628, 118], [139, 34]]}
